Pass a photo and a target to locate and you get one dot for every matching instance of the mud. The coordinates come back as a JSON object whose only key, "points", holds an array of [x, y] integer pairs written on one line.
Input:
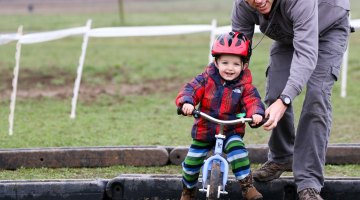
{"points": [[34, 85]]}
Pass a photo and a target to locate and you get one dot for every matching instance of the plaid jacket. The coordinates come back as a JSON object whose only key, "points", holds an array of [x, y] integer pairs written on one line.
{"points": [[220, 99]]}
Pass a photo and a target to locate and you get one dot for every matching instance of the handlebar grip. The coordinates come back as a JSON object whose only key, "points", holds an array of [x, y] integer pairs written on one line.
{"points": [[180, 112], [259, 124], [195, 112]]}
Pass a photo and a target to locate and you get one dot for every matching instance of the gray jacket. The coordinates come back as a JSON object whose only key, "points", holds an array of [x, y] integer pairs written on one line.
{"points": [[299, 23]]}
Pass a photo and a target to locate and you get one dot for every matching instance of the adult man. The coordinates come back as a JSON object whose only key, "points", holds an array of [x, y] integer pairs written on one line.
{"points": [[310, 38]]}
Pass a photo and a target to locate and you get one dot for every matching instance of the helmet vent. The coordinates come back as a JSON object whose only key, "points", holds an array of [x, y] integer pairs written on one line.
{"points": [[230, 42], [222, 41], [238, 43]]}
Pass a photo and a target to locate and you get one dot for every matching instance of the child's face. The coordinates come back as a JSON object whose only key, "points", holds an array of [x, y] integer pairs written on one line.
{"points": [[230, 66]]}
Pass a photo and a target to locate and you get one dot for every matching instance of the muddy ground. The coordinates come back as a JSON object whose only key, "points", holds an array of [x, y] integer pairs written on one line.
{"points": [[32, 84]]}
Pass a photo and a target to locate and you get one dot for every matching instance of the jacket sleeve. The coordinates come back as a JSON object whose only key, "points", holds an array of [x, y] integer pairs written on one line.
{"points": [[251, 100], [241, 19], [304, 15], [192, 92]]}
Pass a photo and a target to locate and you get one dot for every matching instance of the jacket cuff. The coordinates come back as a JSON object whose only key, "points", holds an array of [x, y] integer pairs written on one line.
{"points": [[187, 100], [291, 92]]}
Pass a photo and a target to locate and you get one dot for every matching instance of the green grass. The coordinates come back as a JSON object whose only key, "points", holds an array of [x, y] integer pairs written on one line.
{"points": [[109, 123], [135, 119], [341, 171]]}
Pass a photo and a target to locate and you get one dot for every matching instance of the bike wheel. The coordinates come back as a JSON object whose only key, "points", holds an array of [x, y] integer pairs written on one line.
{"points": [[215, 181]]}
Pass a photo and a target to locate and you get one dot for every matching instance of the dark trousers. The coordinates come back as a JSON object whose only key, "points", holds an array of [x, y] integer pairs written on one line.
{"points": [[306, 148]]}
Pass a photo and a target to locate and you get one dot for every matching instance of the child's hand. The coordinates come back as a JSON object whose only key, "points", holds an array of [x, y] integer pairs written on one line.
{"points": [[188, 109], [256, 119]]}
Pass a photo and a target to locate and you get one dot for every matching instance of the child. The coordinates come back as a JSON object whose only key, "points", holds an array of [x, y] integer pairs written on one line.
{"points": [[223, 90]]}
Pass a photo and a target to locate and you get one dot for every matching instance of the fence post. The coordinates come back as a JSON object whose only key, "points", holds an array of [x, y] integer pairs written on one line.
{"points": [[345, 63], [212, 37], [344, 72], [15, 81], [80, 69]]}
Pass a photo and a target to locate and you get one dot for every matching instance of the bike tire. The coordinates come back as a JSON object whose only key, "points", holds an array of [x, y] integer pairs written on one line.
{"points": [[215, 181]]}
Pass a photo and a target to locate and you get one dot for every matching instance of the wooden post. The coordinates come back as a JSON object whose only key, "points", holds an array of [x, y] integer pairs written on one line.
{"points": [[121, 12]]}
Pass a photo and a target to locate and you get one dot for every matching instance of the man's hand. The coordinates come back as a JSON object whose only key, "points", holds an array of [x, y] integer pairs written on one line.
{"points": [[274, 112]]}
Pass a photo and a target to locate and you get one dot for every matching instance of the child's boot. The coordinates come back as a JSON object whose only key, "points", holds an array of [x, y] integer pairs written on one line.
{"points": [[248, 190], [188, 193]]}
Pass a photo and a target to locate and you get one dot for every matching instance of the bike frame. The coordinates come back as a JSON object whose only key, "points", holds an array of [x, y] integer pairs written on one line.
{"points": [[217, 158]]}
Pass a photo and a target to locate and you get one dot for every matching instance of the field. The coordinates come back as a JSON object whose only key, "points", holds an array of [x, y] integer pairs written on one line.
{"points": [[129, 84]]}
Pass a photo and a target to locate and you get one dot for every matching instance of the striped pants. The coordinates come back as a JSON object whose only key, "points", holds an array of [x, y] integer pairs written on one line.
{"points": [[237, 156]]}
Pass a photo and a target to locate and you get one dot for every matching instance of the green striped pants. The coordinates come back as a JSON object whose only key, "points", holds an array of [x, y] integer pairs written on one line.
{"points": [[237, 156]]}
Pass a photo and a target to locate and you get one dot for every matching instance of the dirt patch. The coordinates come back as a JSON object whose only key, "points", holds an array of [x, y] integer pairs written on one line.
{"points": [[34, 85]]}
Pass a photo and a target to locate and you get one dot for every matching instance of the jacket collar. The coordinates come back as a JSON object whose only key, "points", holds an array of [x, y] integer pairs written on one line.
{"points": [[213, 72]]}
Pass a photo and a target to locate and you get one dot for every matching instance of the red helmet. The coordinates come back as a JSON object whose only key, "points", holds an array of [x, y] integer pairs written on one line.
{"points": [[234, 43]]}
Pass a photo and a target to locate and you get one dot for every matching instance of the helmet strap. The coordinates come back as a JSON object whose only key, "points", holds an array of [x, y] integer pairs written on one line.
{"points": [[245, 65]]}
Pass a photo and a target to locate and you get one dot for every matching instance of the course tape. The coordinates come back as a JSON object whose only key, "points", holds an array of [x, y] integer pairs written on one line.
{"points": [[122, 32]]}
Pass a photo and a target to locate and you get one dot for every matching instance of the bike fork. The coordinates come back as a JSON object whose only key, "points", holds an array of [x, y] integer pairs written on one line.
{"points": [[219, 164], [208, 166]]}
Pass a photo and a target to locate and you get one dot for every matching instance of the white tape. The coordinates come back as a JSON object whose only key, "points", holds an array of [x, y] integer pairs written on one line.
{"points": [[224, 29], [148, 30], [52, 35], [122, 32], [355, 23], [6, 38]]}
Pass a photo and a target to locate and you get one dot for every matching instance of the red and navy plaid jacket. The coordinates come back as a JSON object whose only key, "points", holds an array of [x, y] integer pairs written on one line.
{"points": [[220, 99]]}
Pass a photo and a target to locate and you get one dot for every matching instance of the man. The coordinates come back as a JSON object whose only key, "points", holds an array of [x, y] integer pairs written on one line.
{"points": [[310, 38]]}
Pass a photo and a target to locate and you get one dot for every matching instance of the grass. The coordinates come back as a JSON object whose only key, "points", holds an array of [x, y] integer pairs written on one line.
{"points": [[342, 171], [134, 119]]}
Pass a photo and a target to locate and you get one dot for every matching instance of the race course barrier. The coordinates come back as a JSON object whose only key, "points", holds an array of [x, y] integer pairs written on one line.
{"points": [[139, 156], [160, 187], [337, 154], [87, 32], [52, 190], [83, 157]]}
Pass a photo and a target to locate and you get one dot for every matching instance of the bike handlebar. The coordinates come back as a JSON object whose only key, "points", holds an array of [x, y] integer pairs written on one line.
{"points": [[223, 122], [196, 113]]}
